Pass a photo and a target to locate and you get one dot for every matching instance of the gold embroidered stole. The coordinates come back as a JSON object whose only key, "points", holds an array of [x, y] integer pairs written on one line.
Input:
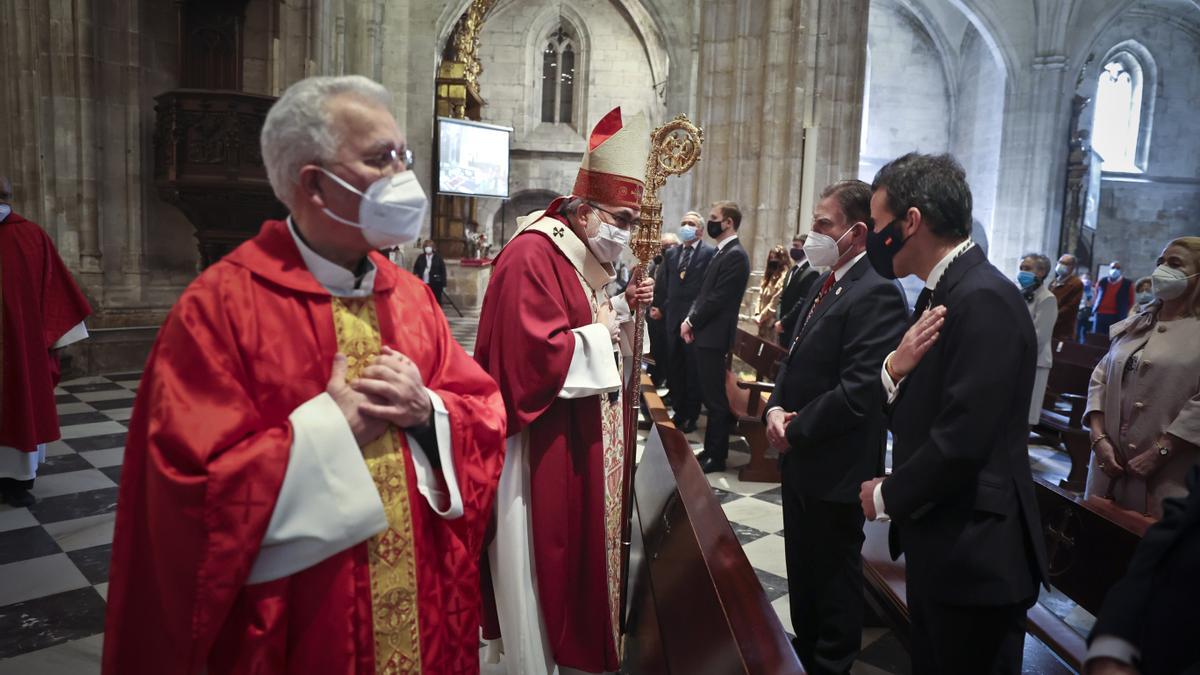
{"points": [[613, 461], [392, 554]]}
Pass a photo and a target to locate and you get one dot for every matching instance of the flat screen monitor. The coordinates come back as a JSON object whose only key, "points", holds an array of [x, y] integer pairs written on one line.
{"points": [[472, 158]]}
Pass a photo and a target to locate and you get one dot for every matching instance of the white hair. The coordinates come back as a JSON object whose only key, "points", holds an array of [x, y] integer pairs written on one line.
{"points": [[299, 129]]}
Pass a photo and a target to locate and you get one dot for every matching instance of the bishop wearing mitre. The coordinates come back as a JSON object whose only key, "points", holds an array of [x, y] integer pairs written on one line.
{"points": [[555, 343]]}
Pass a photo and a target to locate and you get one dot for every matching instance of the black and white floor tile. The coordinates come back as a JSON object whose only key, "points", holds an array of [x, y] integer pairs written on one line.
{"points": [[54, 555]]}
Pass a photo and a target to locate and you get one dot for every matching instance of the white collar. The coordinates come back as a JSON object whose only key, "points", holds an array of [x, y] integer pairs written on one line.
{"points": [[841, 271], [336, 279], [935, 274], [724, 243]]}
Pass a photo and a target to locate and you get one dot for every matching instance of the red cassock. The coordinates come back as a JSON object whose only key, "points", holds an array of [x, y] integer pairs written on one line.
{"points": [[41, 303], [248, 342], [533, 301]]}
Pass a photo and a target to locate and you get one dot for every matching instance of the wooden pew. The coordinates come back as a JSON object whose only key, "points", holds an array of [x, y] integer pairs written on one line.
{"points": [[1089, 542], [695, 604], [747, 400], [652, 404], [1064, 404]]}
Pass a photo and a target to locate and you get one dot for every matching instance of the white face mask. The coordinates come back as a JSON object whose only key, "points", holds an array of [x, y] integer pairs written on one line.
{"points": [[391, 209], [1168, 283], [5, 209], [1114, 274], [822, 249], [610, 241], [428, 250], [1061, 270]]}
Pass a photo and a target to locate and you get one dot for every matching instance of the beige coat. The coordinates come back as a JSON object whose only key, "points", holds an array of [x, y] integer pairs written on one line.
{"points": [[1044, 310], [1160, 393]]}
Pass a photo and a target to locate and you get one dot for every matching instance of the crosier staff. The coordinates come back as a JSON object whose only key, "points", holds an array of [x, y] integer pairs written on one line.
{"points": [[674, 149]]}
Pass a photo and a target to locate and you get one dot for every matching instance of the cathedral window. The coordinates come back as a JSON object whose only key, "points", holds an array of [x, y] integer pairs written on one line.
{"points": [[1120, 129], [558, 78]]}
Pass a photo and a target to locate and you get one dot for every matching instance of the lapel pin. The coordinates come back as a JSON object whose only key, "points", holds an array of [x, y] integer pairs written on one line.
{"points": [[838, 291]]}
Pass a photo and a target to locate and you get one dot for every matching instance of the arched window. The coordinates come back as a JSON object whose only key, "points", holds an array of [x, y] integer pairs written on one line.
{"points": [[558, 78], [1124, 108]]}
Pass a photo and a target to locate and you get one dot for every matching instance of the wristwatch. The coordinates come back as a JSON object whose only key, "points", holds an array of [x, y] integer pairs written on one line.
{"points": [[1162, 449]]}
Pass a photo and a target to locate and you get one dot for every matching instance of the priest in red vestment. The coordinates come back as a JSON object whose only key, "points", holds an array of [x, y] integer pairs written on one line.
{"points": [[312, 458], [554, 342], [43, 311]]}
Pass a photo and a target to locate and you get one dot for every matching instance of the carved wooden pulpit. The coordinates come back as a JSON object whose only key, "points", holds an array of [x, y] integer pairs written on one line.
{"points": [[206, 139]]}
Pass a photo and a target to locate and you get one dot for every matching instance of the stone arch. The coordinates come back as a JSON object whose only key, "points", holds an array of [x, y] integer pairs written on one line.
{"points": [[990, 27], [502, 221]]}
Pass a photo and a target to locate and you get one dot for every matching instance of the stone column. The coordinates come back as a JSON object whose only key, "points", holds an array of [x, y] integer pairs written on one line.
{"points": [[772, 77]]}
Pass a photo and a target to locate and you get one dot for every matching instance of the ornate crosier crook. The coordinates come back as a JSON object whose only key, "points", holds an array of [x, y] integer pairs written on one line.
{"points": [[674, 149]]}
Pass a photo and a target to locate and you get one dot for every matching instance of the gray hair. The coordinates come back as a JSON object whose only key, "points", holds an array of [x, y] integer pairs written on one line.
{"points": [[298, 129], [1041, 264]]}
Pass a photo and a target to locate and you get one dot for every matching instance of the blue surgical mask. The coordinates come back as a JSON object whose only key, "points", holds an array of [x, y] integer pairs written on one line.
{"points": [[1144, 297], [1025, 278], [687, 233]]}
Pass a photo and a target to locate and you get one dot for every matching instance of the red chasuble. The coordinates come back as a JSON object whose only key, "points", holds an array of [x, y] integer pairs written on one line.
{"points": [[41, 303], [248, 342], [533, 301]]}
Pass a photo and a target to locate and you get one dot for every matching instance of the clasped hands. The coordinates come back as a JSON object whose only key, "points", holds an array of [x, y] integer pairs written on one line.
{"points": [[388, 391], [777, 421], [1142, 465]]}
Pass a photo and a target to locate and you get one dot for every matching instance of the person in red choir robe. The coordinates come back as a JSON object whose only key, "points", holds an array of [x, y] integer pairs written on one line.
{"points": [[554, 341], [43, 311], [312, 459]]}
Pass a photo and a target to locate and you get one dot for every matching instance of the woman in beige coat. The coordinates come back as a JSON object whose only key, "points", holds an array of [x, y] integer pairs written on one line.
{"points": [[1144, 400], [773, 281], [1043, 307]]}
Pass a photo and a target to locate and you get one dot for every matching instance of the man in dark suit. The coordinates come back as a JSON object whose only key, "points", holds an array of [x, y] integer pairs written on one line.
{"points": [[711, 325], [826, 417], [801, 279], [960, 496], [1149, 622], [654, 319], [432, 269], [675, 290]]}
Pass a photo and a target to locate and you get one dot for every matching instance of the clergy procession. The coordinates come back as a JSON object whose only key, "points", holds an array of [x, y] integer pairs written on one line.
{"points": [[560, 384]]}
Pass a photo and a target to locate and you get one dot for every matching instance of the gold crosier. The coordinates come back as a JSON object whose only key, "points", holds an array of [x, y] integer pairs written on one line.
{"points": [[392, 553], [674, 149]]}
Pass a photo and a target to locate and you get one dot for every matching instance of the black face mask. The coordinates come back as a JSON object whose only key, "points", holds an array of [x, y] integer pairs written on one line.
{"points": [[714, 228], [797, 254], [772, 265], [883, 246]]}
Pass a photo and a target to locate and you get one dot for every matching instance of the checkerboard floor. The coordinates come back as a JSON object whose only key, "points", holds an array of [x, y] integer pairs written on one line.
{"points": [[54, 555]]}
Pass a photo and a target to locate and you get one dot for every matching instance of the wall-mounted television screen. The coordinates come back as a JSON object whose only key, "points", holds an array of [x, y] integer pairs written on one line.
{"points": [[472, 158]]}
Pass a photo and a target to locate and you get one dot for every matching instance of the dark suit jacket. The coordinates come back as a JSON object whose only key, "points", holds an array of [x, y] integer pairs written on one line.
{"points": [[1155, 605], [674, 296], [961, 492], [831, 381], [714, 314], [437, 271], [791, 300]]}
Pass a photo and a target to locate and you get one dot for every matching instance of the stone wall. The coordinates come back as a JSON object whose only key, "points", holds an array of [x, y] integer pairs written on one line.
{"points": [[909, 101], [1137, 219]]}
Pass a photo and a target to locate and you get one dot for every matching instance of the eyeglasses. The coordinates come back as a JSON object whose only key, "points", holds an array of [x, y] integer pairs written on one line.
{"points": [[391, 157], [624, 221]]}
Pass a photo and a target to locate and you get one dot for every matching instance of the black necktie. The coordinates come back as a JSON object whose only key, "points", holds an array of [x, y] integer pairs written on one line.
{"points": [[687, 259], [922, 303]]}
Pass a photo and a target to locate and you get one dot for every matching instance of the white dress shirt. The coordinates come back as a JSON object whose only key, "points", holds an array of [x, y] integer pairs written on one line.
{"points": [[892, 388]]}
